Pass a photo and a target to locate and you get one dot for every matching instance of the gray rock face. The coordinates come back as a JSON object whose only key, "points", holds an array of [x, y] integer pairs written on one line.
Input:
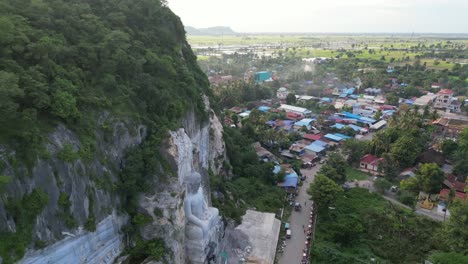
{"points": [[88, 184], [99, 247], [188, 150], [198, 146]]}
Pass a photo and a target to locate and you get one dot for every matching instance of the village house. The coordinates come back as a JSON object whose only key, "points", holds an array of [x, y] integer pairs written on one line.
{"points": [[445, 193], [291, 178], [296, 110], [443, 99], [297, 149], [263, 153], [370, 163], [449, 128], [312, 137], [372, 91], [452, 183], [282, 93], [424, 100], [306, 122]]}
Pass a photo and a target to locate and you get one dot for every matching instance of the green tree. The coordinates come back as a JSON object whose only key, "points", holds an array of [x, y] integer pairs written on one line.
{"points": [[324, 191], [461, 154], [337, 161], [449, 147], [4, 180], [347, 229], [348, 131], [331, 173], [455, 229], [64, 105], [381, 185], [355, 149], [378, 115], [448, 258], [9, 94], [392, 99], [291, 99], [430, 177], [405, 151]]}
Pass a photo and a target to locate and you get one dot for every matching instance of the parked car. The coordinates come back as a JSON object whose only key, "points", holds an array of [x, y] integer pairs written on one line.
{"points": [[288, 233]]}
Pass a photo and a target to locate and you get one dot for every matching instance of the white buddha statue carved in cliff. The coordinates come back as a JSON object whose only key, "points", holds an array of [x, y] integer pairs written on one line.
{"points": [[201, 218]]}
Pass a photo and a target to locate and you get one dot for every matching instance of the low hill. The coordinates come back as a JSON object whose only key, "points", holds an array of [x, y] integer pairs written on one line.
{"points": [[209, 31]]}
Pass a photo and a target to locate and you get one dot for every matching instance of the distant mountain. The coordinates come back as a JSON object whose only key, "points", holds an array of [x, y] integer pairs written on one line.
{"points": [[209, 31]]}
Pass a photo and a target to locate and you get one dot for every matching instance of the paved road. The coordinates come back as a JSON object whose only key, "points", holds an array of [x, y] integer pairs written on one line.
{"points": [[293, 252]]}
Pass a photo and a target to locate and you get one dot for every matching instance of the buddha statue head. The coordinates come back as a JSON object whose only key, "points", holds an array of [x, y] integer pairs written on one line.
{"points": [[193, 182]]}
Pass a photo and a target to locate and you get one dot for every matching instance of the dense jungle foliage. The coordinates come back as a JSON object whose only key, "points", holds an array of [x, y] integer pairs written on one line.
{"points": [[70, 62]]}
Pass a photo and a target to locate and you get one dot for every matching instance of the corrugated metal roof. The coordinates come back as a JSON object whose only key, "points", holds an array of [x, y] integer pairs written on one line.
{"points": [[333, 137], [315, 148]]}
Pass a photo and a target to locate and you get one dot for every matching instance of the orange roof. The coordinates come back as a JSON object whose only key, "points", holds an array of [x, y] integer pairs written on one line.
{"points": [[369, 158], [445, 91], [312, 137], [444, 193]]}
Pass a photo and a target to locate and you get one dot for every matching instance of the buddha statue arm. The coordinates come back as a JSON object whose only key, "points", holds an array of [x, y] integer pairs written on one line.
{"points": [[191, 217]]}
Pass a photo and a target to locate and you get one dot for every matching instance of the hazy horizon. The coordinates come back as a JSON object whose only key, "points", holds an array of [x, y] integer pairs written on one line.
{"points": [[327, 16]]}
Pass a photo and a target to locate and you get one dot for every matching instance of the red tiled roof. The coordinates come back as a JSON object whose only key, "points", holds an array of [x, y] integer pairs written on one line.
{"points": [[445, 91], [312, 137], [451, 178], [459, 186], [387, 107], [444, 193], [368, 158], [293, 115]]}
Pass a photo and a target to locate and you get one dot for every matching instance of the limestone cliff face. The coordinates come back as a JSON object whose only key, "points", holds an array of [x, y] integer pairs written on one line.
{"points": [[87, 186], [196, 146]]}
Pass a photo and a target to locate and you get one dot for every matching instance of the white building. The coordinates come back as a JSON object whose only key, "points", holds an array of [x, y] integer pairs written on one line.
{"points": [[424, 100], [294, 109], [282, 93], [444, 99], [366, 111]]}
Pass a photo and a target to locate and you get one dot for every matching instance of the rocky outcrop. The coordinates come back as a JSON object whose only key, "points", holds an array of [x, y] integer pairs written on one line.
{"points": [[198, 146], [188, 149], [99, 247], [87, 185]]}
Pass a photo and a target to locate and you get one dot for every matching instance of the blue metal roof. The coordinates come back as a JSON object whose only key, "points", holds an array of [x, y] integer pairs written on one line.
{"points": [[304, 122], [333, 137], [320, 143], [339, 126], [342, 136], [289, 182], [343, 95], [354, 127], [351, 115], [326, 99], [350, 90], [291, 175], [367, 120], [264, 108], [315, 148]]}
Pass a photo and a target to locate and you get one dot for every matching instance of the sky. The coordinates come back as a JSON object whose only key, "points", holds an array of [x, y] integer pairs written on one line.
{"points": [[343, 16]]}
